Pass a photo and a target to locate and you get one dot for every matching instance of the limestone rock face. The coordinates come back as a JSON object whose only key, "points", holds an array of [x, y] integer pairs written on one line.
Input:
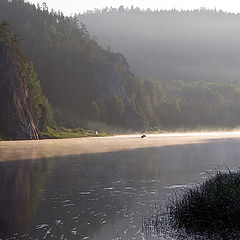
{"points": [[108, 83], [16, 120]]}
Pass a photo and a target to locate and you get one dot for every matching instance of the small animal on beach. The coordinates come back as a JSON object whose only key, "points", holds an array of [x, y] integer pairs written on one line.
{"points": [[143, 136]]}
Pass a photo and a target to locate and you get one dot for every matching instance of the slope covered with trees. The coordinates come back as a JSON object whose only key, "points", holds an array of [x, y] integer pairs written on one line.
{"points": [[189, 105], [192, 56], [81, 80], [88, 85], [198, 45]]}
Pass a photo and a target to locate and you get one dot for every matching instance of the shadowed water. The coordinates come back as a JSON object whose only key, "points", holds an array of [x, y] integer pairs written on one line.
{"points": [[103, 195]]}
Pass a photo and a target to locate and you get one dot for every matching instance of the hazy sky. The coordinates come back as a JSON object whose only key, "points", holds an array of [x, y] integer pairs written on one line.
{"points": [[76, 6]]}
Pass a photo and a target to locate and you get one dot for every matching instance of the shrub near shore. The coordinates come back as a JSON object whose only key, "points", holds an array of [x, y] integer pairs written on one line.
{"points": [[210, 210], [212, 207]]}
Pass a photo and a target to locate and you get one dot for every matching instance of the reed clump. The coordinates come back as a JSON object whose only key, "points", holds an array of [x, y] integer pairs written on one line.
{"points": [[210, 210], [210, 207]]}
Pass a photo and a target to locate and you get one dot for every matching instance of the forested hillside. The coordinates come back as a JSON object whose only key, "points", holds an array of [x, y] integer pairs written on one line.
{"points": [[82, 81], [90, 87], [199, 45]]}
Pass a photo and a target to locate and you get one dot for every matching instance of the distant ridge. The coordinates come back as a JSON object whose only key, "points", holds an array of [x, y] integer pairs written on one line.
{"points": [[193, 45]]}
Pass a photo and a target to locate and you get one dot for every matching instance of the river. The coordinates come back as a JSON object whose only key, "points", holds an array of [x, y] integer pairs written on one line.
{"points": [[101, 188]]}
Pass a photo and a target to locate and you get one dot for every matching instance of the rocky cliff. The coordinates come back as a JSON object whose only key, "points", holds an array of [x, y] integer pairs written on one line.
{"points": [[109, 83], [16, 120]]}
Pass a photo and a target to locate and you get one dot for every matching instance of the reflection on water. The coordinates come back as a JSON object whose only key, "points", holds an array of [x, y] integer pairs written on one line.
{"points": [[20, 193], [100, 196]]}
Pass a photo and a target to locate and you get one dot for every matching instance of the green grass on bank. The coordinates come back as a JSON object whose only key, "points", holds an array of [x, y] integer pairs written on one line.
{"points": [[62, 132]]}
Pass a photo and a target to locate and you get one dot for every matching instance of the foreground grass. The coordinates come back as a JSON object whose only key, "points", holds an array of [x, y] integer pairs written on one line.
{"points": [[70, 133], [211, 210], [213, 206]]}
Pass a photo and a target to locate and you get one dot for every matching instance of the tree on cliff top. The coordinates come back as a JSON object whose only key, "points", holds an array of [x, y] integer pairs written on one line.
{"points": [[5, 31]]}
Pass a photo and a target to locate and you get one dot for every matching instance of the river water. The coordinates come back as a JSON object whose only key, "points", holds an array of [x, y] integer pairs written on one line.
{"points": [[101, 188]]}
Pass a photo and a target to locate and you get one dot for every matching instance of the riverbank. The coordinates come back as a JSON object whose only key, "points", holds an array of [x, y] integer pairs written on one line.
{"points": [[64, 133], [61, 133]]}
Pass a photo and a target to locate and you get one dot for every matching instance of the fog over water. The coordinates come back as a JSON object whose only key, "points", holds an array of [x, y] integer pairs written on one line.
{"points": [[12, 150], [101, 188]]}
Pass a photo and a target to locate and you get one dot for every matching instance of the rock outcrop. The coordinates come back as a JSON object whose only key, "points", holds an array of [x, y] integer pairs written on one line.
{"points": [[16, 120], [108, 83]]}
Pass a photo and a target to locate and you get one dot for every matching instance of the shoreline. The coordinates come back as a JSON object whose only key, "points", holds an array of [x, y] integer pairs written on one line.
{"points": [[67, 134]]}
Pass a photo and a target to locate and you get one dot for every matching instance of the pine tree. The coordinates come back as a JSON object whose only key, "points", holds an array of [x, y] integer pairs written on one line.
{"points": [[5, 32]]}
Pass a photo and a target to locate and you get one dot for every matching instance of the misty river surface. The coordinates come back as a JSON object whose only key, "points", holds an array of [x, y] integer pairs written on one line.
{"points": [[101, 188]]}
